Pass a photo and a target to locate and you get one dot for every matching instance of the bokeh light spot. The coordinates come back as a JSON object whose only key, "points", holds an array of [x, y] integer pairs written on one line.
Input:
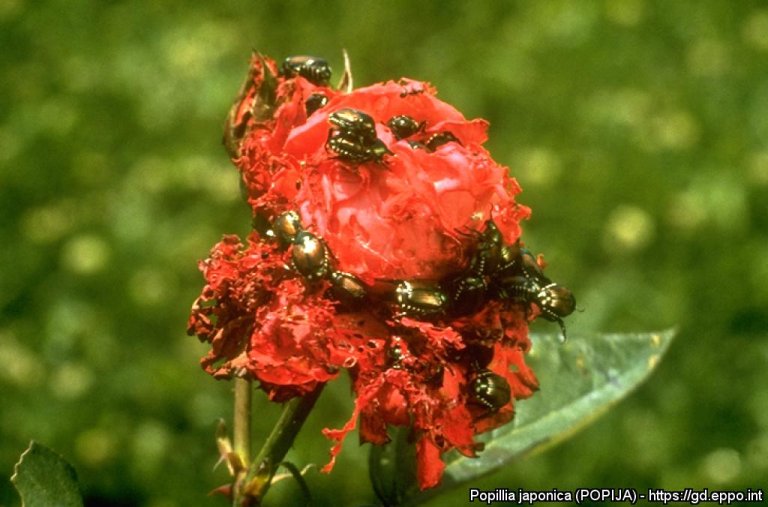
{"points": [[755, 30], [722, 465], [150, 286], [538, 166], [85, 254], [49, 222], [21, 366], [629, 228], [669, 130], [71, 380], [95, 447], [757, 168], [708, 58], [625, 12]]}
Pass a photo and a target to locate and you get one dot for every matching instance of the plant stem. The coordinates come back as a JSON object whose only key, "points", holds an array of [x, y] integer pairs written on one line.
{"points": [[242, 419], [242, 434], [250, 489]]}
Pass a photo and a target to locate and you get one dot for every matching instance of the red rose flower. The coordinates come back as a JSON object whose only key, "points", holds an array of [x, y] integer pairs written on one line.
{"points": [[406, 218], [386, 244]]}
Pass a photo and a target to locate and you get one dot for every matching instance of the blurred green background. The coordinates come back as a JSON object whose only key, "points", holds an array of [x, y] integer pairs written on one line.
{"points": [[638, 130]]}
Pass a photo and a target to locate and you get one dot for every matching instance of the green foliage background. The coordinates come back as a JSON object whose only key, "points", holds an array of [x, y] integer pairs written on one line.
{"points": [[637, 128]]}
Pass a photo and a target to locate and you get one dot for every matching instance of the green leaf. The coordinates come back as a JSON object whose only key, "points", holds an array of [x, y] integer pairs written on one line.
{"points": [[580, 380], [43, 478]]}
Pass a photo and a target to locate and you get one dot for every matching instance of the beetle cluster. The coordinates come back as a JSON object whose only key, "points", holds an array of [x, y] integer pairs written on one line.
{"points": [[257, 104], [424, 332], [496, 271], [486, 389], [311, 258], [403, 127], [524, 282], [317, 71], [353, 138]]}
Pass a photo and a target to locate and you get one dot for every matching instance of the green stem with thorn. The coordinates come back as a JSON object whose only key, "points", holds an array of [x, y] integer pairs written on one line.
{"points": [[251, 484]]}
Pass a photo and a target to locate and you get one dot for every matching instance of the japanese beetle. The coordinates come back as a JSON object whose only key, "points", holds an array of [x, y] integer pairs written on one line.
{"points": [[313, 69], [439, 139], [348, 289], [466, 294], [510, 261], [554, 301], [403, 126], [309, 256], [352, 150], [489, 389], [420, 298], [315, 102], [286, 227], [487, 252], [354, 124]]}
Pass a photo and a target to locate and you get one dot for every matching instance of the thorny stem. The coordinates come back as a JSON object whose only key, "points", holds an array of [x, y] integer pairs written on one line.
{"points": [[252, 484]]}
